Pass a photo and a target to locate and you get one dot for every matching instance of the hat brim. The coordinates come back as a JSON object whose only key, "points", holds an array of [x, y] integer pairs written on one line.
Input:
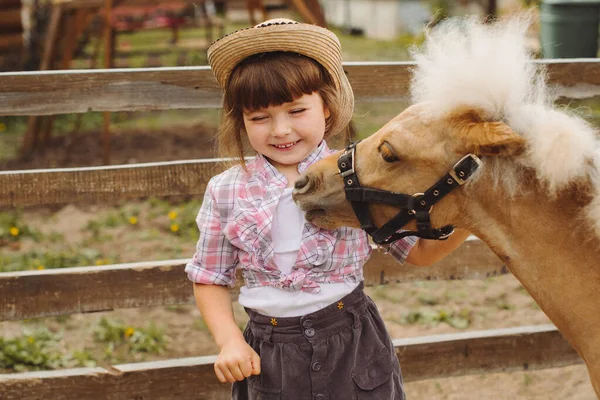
{"points": [[311, 41]]}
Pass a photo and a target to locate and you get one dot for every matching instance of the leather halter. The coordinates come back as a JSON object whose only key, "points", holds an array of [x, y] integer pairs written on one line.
{"points": [[416, 206]]}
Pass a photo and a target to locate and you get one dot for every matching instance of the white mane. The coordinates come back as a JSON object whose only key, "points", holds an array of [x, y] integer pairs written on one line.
{"points": [[465, 63]]}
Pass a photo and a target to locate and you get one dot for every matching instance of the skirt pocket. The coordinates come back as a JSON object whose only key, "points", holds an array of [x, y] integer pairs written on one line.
{"points": [[377, 380], [258, 392]]}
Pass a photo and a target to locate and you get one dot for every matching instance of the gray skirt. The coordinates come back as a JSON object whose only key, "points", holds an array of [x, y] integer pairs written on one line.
{"points": [[341, 352]]}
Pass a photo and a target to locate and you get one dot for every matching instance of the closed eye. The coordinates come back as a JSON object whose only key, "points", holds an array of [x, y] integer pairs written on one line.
{"points": [[258, 118], [387, 152]]}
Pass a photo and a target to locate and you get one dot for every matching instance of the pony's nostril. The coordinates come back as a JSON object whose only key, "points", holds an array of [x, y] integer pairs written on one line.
{"points": [[301, 182]]}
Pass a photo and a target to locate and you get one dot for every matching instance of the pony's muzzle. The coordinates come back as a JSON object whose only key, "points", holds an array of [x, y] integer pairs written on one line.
{"points": [[302, 185]]}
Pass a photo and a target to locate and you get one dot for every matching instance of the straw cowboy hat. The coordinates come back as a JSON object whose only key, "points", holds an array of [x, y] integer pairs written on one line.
{"points": [[285, 35]]}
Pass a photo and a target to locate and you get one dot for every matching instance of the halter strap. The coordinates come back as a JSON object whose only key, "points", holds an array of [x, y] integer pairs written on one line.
{"points": [[417, 206]]}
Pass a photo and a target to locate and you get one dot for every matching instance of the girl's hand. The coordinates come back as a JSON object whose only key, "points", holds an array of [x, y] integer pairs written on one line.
{"points": [[236, 361]]}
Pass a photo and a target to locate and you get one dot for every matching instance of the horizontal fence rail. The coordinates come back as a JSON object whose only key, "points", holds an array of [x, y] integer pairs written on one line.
{"points": [[137, 89], [34, 294], [38, 187], [498, 350]]}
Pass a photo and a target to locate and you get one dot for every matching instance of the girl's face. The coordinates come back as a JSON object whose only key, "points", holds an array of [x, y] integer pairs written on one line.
{"points": [[288, 133]]}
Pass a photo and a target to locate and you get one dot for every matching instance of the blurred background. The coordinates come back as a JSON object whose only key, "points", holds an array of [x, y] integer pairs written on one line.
{"points": [[78, 34]]}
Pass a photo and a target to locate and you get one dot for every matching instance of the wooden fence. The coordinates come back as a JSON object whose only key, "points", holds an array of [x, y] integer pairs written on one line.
{"points": [[33, 294]]}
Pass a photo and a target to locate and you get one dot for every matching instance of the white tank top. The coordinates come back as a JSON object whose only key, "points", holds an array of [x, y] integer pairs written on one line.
{"points": [[288, 223]]}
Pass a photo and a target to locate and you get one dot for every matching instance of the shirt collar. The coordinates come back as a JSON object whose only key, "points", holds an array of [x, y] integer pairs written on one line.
{"points": [[320, 152]]}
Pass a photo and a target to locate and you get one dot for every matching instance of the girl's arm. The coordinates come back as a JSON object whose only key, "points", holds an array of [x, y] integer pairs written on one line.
{"points": [[426, 252], [236, 360]]}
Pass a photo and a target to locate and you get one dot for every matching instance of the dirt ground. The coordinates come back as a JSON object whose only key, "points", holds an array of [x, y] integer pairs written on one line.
{"points": [[493, 303]]}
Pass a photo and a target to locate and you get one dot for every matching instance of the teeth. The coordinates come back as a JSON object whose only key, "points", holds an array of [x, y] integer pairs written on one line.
{"points": [[285, 146]]}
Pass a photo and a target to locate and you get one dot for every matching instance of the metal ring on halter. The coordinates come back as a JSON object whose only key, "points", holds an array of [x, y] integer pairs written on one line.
{"points": [[383, 248], [415, 196]]}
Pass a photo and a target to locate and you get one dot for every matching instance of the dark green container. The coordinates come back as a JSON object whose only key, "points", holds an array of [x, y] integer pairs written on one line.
{"points": [[569, 28]]}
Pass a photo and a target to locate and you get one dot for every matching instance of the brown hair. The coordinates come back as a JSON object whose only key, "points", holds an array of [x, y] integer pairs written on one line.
{"points": [[271, 79]]}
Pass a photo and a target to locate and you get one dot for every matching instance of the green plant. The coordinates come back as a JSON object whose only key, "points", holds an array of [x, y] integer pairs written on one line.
{"points": [[383, 292], [158, 207], [182, 219], [137, 340], [83, 359], [12, 227], [51, 259], [114, 218], [35, 350], [458, 320], [148, 340], [12, 125], [428, 300]]}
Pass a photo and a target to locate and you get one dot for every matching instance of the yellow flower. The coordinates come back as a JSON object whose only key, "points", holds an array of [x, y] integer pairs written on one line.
{"points": [[99, 262], [30, 339], [133, 220], [2, 127], [172, 215], [129, 331], [40, 267], [174, 228], [14, 231]]}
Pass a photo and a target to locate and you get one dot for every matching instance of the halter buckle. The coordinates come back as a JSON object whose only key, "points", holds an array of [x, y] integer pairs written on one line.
{"points": [[447, 235], [351, 170], [461, 179]]}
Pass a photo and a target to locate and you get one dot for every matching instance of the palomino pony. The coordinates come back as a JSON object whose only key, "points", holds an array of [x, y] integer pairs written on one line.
{"points": [[529, 188]]}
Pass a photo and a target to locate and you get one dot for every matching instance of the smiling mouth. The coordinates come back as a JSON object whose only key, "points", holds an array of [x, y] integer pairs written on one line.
{"points": [[285, 146]]}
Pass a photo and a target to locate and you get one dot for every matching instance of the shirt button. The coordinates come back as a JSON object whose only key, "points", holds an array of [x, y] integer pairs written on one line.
{"points": [[319, 397], [307, 323], [316, 366], [310, 332]]}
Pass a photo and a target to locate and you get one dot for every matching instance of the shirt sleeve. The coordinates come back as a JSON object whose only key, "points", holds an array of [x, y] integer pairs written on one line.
{"points": [[215, 260], [400, 248]]}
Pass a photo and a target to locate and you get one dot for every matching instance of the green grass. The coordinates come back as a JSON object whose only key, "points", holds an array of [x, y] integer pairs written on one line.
{"points": [[42, 349], [33, 350], [361, 48], [121, 339], [460, 319], [370, 117], [53, 259], [13, 228]]}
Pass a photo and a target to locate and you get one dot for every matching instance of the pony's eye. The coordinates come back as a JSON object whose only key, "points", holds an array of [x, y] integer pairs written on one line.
{"points": [[387, 153]]}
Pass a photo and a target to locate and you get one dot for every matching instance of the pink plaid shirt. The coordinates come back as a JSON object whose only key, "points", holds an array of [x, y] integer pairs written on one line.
{"points": [[235, 232]]}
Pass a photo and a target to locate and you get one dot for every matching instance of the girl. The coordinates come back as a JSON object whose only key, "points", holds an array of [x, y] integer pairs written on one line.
{"points": [[313, 333]]}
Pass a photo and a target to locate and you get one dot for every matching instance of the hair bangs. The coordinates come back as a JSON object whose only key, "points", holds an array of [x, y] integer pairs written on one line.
{"points": [[272, 79]]}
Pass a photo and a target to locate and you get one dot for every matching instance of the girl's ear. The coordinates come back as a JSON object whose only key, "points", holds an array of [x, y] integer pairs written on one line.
{"points": [[327, 115]]}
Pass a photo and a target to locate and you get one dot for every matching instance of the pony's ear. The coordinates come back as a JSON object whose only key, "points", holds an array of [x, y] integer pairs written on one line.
{"points": [[487, 138]]}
